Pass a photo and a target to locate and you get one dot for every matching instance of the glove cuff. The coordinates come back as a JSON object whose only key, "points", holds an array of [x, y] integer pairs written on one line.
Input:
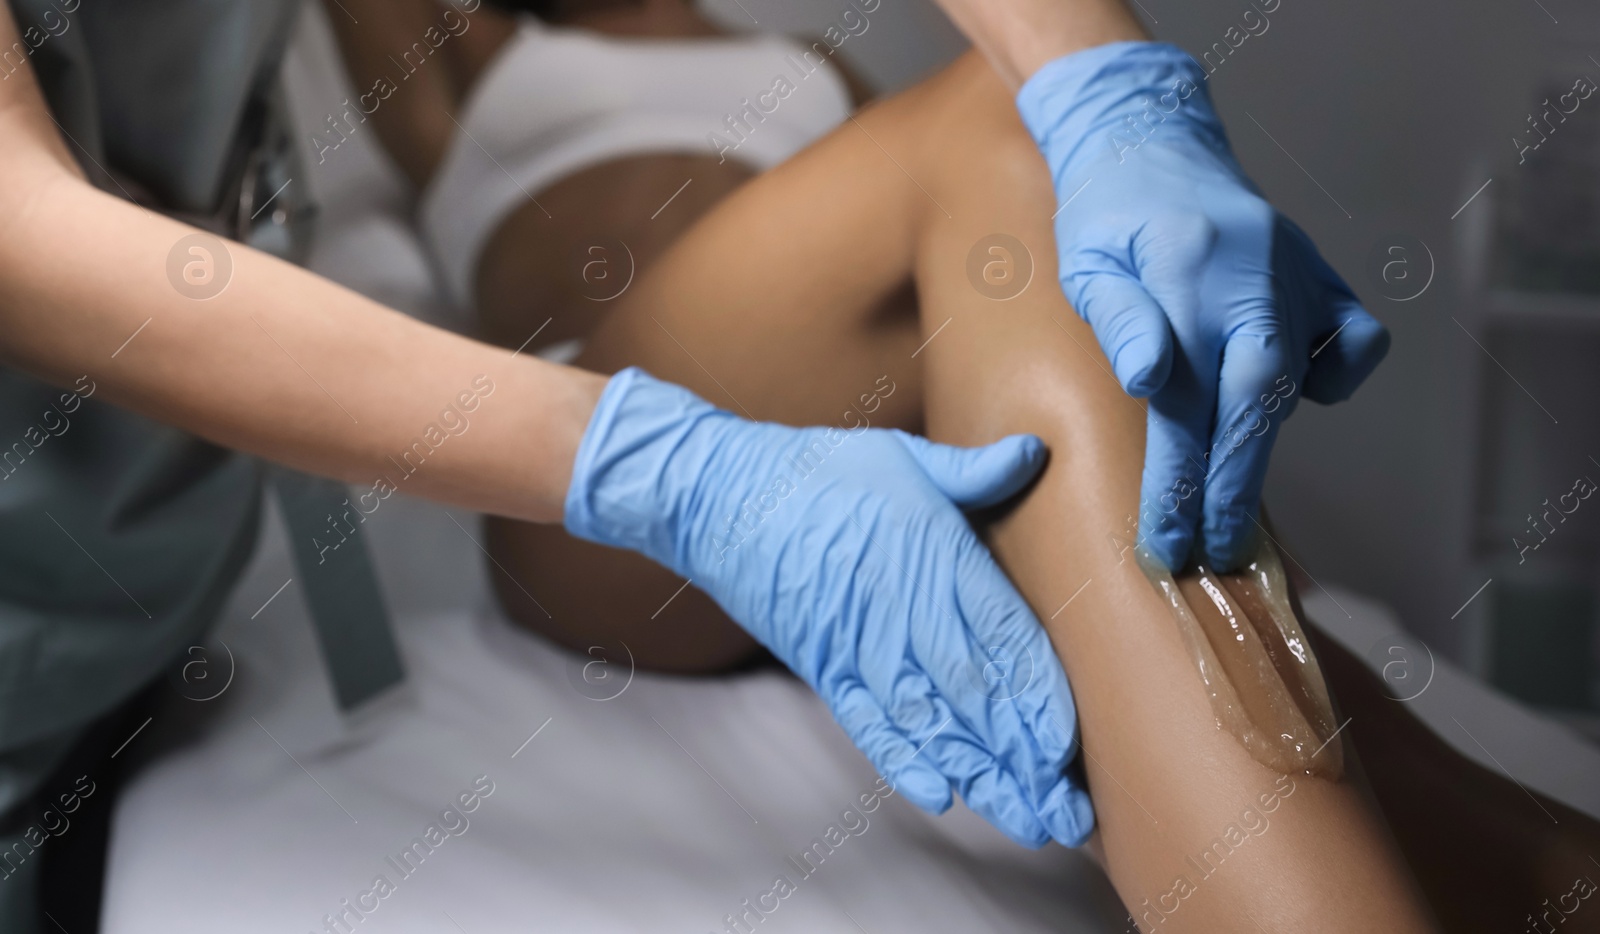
{"points": [[1086, 99], [623, 490]]}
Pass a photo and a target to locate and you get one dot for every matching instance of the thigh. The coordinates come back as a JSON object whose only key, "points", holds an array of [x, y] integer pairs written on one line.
{"points": [[550, 272], [795, 295], [555, 263]]}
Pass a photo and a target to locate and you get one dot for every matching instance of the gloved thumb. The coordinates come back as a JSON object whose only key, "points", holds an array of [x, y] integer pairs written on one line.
{"points": [[974, 478], [1131, 327], [1341, 362]]}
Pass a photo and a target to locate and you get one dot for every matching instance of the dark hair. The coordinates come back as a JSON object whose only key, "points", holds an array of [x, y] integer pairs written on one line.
{"points": [[554, 11], [543, 9]]}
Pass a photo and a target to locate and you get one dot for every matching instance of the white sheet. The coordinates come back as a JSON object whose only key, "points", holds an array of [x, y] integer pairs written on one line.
{"points": [[660, 809]]}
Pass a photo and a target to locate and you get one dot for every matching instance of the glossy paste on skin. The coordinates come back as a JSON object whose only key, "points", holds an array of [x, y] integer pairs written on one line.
{"points": [[1265, 685]]}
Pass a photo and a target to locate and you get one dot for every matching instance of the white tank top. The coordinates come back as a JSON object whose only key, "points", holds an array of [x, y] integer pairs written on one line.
{"points": [[556, 100]]}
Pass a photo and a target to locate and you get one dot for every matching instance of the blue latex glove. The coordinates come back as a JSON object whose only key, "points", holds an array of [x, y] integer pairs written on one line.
{"points": [[1203, 297], [847, 555]]}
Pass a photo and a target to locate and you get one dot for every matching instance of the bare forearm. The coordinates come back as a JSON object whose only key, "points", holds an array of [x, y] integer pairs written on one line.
{"points": [[1019, 36], [281, 363]]}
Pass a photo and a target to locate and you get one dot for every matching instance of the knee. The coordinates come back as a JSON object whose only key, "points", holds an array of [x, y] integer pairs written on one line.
{"points": [[974, 131], [1015, 157]]}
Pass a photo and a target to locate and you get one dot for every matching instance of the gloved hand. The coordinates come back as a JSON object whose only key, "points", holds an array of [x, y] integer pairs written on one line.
{"points": [[1203, 297], [847, 555]]}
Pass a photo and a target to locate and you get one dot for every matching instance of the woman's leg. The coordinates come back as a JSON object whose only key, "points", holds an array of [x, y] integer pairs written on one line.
{"points": [[763, 302], [1488, 852], [1492, 856], [1197, 834]]}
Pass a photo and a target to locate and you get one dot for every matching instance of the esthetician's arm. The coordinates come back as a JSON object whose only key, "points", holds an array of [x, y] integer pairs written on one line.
{"points": [[282, 363], [1203, 296], [291, 367], [1019, 36]]}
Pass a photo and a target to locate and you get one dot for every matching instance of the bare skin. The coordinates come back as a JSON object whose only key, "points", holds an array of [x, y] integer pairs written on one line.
{"points": [[1034, 32]]}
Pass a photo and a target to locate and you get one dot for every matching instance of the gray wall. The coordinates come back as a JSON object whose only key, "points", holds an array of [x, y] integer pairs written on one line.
{"points": [[1401, 112]]}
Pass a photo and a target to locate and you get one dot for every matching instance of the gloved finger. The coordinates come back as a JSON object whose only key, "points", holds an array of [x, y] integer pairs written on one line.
{"points": [[1255, 393], [1131, 326], [983, 654], [974, 478], [891, 753], [1177, 435], [965, 760], [981, 744], [1171, 253], [1068, 813], [1343, 359], [990, 784], [994, 795], [1350, 343], [1010, 683]]}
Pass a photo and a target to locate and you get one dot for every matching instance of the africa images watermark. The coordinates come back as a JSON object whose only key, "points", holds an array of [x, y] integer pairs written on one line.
{"points": [[53, 23], [852, 822], [855, 421], [599, 673], [452, 422], [1400, 267], [199, 266], [1253, 422], [1554, 911], [1252, 822], [52, 823], [451, 822], [740, 125], [340, 126], [1136, 129], [999, 267], [1582, 489], [1582, 87], [53, 423]]}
